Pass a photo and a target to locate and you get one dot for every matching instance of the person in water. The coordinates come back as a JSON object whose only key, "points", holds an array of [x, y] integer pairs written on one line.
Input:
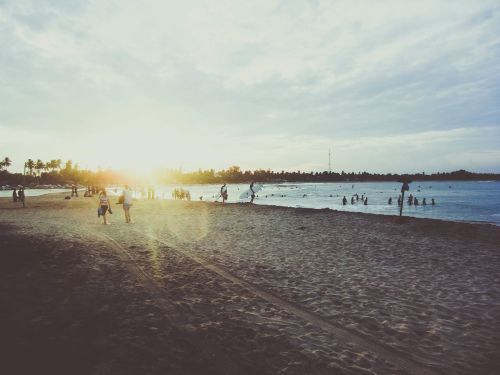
{"points": [[344, 201], [127, 203], [223, 193], [104, 206], [252, 191], [366, 202], [389, 201]]}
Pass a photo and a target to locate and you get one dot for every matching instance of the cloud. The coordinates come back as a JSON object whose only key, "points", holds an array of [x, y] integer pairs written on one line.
{"points": [[15, 135], [352, 74]]}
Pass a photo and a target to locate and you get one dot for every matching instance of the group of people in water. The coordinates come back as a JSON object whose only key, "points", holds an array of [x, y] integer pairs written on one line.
{"points": [[181, 194], [411, 200], [355, 198]]}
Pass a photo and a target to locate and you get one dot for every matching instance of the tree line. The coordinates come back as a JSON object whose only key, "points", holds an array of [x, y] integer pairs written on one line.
{"points": [[58, 172]]}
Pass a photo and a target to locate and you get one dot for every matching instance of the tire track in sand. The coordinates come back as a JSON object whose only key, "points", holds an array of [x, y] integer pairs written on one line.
{"points": [[208, 348], [399, 359]]}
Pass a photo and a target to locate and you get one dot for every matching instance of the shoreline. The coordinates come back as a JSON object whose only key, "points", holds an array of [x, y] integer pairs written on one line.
{"points": [[396, 217]]}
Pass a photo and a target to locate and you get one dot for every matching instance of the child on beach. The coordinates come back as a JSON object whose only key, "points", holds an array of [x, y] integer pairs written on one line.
{"points": [[104, 206]]}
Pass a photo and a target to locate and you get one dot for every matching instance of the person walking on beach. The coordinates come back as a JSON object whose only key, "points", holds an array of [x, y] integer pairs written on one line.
{"points": [[223, 193], [14, 195], [127, 203], [344, 201], [104, 206]]}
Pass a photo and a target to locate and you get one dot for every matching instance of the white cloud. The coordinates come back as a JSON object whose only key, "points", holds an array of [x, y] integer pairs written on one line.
{"points": [[405, 76]]}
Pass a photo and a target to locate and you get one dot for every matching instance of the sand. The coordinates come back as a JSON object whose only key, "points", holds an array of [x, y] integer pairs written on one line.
{"points": [[204, 288]]}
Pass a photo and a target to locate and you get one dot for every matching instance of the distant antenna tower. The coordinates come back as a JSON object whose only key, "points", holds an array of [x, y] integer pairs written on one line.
{"points": [[329, 160]]}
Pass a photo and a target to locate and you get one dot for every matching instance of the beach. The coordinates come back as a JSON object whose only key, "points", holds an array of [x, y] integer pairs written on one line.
{"points": [[207, 288]]}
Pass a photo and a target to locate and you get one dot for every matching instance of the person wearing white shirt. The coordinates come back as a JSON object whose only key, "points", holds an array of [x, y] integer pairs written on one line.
{"points": [[127, 203]]}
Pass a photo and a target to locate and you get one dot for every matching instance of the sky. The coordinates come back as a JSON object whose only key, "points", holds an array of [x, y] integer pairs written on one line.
{"points": [[387, 86]]}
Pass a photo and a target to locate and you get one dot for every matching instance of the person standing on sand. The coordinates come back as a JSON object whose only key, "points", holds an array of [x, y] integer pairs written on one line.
{"points": [[127, 203], [14, 195], [21, 196], [223, 193], [253, 192], [104, 206]]}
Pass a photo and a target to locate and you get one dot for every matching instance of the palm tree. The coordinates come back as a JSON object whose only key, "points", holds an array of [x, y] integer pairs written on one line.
{"points": [[52, 164], [46, 166], [5, 163], [39, 166], [30, 164]]}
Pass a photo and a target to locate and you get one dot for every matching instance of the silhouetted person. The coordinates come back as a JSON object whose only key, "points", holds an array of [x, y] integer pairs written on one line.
{"points": [[344, 201], [352, 200], [433, 202], [424, 203], [366, 202], [410, 200], [389, 201], [223, 193], [21, 197], [252, 191], [415, 201], [14, 195]]}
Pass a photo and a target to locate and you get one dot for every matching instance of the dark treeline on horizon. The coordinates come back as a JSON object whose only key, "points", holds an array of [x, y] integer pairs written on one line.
{"points": [[57, 173]]}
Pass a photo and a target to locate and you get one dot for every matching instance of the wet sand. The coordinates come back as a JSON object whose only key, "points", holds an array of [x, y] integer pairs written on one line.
{"points": [[204, 288]]}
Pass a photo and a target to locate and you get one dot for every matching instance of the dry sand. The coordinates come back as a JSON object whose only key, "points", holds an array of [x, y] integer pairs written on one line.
{"points": [[203, 288]]}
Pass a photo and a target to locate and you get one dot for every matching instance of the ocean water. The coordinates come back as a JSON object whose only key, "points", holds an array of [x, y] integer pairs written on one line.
{"points": [[471, 201], [474, 201], [34, 192]]}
